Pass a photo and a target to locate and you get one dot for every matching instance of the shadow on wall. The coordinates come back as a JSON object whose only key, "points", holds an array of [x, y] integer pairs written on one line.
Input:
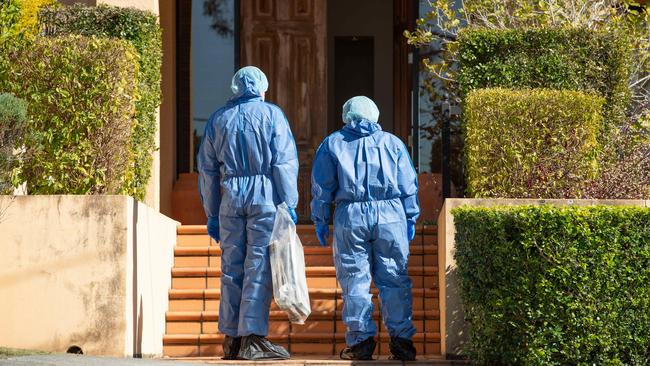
{"points": [[457, 327]]}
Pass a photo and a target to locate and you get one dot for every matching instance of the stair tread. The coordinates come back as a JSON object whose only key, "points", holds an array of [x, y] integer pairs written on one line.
{"points": [[314, 271], [179, 294], [218, 338], [214, 250], [212, 315]]}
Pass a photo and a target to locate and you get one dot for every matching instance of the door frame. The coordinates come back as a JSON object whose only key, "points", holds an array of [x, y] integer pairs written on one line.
{"points": [[405, 76], [183, 62]]}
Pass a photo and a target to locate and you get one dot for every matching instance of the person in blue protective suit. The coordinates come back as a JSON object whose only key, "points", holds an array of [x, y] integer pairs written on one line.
{"points": [[248, 164], [368, 174]]}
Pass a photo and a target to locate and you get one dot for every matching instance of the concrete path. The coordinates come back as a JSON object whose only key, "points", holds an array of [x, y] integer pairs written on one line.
{"points": [[79, 360]]}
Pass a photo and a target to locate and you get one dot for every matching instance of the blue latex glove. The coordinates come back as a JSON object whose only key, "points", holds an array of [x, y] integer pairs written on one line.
{"points": [[293, 214], [213, 227], [410, 230], [323, 233]]}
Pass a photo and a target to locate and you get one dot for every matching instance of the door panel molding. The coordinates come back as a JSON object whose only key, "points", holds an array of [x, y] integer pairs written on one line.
{"points": [[287, 40]]}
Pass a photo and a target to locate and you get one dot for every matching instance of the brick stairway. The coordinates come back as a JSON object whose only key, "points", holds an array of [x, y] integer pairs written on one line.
{"points": [[191, 329]]}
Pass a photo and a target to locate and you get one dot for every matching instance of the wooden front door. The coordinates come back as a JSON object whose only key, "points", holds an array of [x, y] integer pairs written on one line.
{"points": [[287, 40]]}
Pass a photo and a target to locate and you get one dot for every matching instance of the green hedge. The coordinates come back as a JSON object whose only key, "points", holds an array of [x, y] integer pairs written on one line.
{"points": [[13, 120], [574, 59], [140, 29], [81, 99], [530, 143], [555, 286]]}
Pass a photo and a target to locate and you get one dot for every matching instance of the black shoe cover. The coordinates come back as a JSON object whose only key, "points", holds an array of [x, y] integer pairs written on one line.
{"points": [[231, 347], [254, 347], [360, 351], [402, 349]]}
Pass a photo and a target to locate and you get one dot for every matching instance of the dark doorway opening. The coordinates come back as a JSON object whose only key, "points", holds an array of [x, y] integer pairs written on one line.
{"points": [[354, 70]]}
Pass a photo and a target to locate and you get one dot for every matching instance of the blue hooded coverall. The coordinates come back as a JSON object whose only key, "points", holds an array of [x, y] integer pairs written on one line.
{"points": [[369, 175], [248, 164]]}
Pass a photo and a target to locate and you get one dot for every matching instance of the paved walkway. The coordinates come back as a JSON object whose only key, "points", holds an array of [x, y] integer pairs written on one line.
{"points": [[74, 360], [79, 360]]}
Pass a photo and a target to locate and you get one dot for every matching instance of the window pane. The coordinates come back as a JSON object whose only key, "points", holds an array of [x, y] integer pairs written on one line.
{"points": [[213, 61], [434, 111]]}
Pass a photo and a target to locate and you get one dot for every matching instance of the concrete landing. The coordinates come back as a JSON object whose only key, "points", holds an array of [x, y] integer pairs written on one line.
{"points": [[79, 360], [324, 361]]}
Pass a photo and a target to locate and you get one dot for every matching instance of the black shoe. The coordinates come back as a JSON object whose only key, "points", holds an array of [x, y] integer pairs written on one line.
{"points": [[360, 351], [402, 349], [254, 347], [231, 347]]}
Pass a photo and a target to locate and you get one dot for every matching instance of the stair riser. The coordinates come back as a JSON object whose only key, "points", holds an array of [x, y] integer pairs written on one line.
{"points": [[306, 240], [310, 272], [318, 282], [278, 315], [279, 328], [313, 260], [316, 305], [213, 305]]}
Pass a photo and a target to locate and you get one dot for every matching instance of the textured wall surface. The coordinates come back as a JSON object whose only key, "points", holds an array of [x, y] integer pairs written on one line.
{"points": [[67, 274]]}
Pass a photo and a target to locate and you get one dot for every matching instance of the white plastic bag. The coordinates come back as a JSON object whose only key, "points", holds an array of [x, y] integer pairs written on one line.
{"points": [[288, 268]]}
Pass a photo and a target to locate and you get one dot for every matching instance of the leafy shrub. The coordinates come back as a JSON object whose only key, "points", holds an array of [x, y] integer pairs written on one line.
{"points": [[140, 29], [9, 17], [530, 143], [566, 58], [555, 286], [29, 15], [81, 99], [19, 17], [13, 119]]}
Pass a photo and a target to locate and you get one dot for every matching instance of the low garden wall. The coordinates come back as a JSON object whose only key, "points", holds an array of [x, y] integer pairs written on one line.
{"points": [[454, 328], [85, 271]]}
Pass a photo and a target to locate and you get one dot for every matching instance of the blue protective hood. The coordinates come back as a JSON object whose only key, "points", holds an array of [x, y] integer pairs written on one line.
{"points": [[247, 90], [360, 107], [362, 127], [248, 82]]}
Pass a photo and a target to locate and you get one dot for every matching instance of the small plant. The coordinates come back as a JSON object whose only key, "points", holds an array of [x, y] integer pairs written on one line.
{"points": [[19, 18], [13, 122]]}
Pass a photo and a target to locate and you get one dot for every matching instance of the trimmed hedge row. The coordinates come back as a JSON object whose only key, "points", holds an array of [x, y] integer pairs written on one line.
{"points": [[81, 99], [13, 120], [532, 143], [555, 286], [566, 58], [142, 31]]}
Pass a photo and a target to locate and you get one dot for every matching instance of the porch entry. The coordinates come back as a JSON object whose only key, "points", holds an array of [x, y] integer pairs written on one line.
{"points": [[316, 54]]}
